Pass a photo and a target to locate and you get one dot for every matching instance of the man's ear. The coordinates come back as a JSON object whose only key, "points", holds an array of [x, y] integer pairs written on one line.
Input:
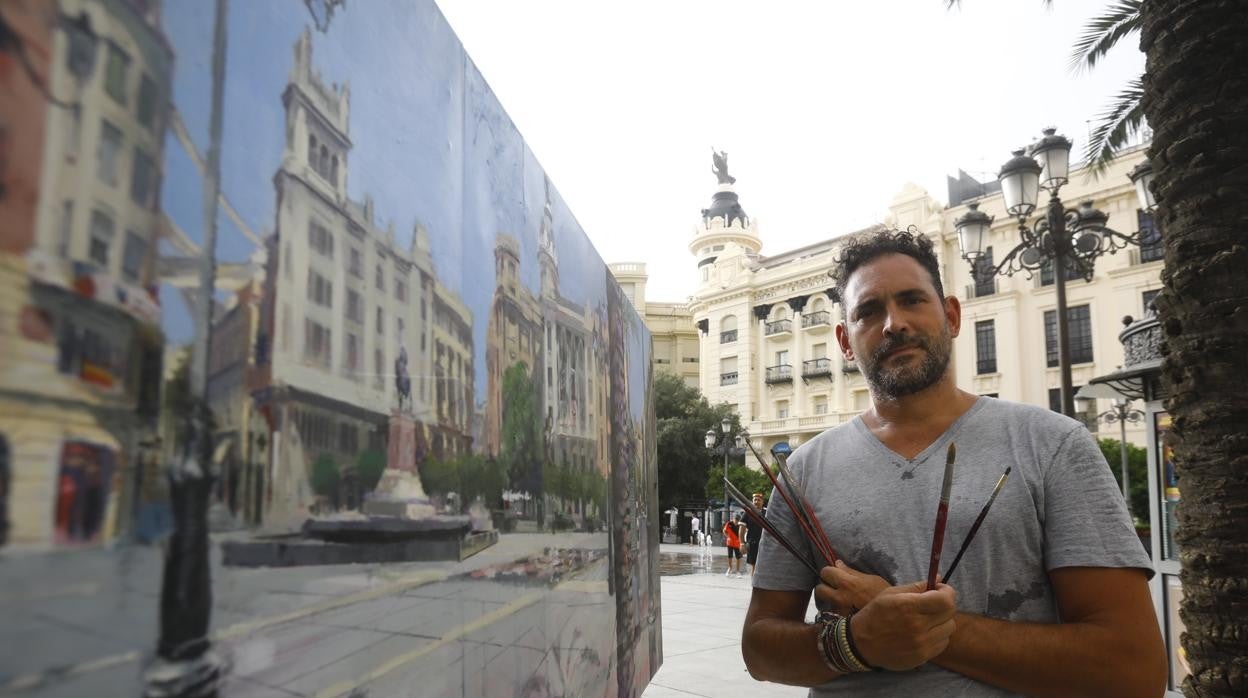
{"points": [[953, 314], [842, 340]]}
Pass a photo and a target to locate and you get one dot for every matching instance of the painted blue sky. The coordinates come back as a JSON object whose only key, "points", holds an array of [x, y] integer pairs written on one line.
{"points": [[431, 143]]}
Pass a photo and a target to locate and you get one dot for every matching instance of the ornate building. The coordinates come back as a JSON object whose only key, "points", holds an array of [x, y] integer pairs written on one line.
{"points": [[674, 336], [768, 345]]}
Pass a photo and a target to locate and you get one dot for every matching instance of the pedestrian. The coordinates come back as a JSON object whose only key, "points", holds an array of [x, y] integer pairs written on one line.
{"points": [[732, 539], [1052, 596], [754, 533], [695, 535]]}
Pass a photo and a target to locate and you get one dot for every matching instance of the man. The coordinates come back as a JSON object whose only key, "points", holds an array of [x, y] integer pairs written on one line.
{"points": [[754, 534], [695, 534], [1052, 596], [732, 540]]}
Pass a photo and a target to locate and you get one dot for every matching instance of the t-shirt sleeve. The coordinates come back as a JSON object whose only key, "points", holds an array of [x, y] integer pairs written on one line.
{"points": [[777, 570], [1086, 522]]}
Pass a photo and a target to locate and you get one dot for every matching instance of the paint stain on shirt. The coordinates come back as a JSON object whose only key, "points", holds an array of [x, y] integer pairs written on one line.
{"points": [[1007, 603]]}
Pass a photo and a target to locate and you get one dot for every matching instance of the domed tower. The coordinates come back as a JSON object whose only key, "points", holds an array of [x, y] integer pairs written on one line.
{"points": [[547, 256], [725, 228]]}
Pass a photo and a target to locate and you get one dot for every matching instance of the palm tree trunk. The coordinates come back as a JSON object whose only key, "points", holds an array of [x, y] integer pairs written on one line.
{"points": [[1196, 101]]}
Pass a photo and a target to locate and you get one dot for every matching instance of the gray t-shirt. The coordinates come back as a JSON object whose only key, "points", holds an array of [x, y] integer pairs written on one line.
{"points": [[1060, 507]]}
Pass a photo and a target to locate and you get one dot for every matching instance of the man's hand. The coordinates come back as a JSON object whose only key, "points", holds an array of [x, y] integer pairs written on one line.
{"points": [[846, 590], [905, 626]]}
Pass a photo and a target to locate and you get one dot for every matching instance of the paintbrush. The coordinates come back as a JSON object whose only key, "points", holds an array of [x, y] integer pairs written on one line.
{"points": [[799, 493], [768, 526], [808, 526], [975, 526], [942, 516]]}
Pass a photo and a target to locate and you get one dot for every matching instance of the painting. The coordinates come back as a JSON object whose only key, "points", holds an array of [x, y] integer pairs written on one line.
{"points": [[311, 384]]}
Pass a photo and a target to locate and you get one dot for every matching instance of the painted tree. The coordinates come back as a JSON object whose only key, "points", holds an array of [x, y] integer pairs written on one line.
{"points": [[523, 441]]}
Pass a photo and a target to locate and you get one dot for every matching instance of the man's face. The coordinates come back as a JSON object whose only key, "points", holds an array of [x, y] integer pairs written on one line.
{"points": [[758, 502], [896, 327]]}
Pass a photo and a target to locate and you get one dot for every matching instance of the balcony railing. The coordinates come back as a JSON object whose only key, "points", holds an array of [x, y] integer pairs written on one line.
{"points": [[816, 367], [983, 366], [729, 378], [849, 367], [728, 337], [820, 318], [779, 327], [780, 374]]}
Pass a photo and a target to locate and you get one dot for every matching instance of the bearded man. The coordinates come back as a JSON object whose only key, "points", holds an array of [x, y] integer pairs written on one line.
{"points": [[1051, 598]]}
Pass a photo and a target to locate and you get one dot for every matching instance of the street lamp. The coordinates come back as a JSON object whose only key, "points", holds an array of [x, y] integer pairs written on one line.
{"points": [[1067, 238], [723, 438], [1122, 413]]}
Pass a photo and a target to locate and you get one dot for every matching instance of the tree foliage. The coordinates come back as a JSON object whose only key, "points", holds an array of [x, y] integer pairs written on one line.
{"points": [[744, 478], [369, 466], [523, 441], [1137, 473], [682, 416], [325, 478]]}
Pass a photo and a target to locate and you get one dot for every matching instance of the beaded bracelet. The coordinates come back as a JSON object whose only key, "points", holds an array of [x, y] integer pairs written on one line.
{"points": [[835, 646], [842, 642]]}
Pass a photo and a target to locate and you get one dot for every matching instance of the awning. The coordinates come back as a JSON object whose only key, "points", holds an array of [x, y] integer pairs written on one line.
{"points": [[1127, 382]]}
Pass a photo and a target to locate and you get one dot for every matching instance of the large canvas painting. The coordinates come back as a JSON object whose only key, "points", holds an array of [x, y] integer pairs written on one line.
{"points": [[310, 382]]}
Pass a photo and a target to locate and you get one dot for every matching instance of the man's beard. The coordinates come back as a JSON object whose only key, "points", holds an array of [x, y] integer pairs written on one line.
{"points": [[893, 383]]}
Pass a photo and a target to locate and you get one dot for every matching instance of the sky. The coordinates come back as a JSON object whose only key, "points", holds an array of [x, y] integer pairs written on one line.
{"points": [[825, 109]]}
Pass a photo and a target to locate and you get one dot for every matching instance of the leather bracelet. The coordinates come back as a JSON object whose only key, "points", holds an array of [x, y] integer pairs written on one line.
{"points": [[853, 647], [847, 654], [827, 622]]}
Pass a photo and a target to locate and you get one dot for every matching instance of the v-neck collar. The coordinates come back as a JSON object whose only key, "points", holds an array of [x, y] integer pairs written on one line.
{"points": [[937, 446]]}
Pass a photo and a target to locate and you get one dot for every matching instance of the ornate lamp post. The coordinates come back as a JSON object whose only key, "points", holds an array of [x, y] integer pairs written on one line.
{"points": [[1066, 238], [725, 441], [1121, 414]]}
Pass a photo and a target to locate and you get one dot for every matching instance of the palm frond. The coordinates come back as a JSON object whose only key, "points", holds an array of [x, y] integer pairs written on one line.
{"points": [[1115, 126], [1102, 33]]}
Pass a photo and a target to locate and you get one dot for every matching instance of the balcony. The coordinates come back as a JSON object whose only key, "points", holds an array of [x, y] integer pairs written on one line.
{"points": [[816, 368], [779, 374], [820, 321], [849, 367], [729, 378], [779, 329], [983, 366], [728, 337]]}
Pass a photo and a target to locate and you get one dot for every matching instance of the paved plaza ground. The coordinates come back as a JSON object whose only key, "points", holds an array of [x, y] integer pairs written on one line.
{"points": [[703, 612]]}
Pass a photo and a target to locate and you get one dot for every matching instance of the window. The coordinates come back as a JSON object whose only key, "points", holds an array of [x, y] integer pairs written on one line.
{"points": [[985, 280], [320, 239], [821, 404], [782, 357], [133, 256], [1088, 416], [381, 278], [381, 321], [115, 74], [1079, 322], [355, 307], [1148, 298], [1151, 246], [985, 347], [108, 153], [143, 180], [348, 438], [67, 227], [819, 351], [379, 369], [101, 238], [312, 145], [400, 291], [352, 366], [782, 409], [317, 343], [355, 263], [147, 103], [706, 273], [1047, 276], [320, 290], [728, 329], [399, 329]]}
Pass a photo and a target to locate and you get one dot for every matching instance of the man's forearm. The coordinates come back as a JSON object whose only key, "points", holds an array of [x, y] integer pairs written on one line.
{"points": [[1039, 659], [785, 651]]}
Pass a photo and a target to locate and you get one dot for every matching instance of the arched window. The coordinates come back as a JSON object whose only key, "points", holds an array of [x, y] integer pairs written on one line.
{"points": [[780, 312], [729, 322], [817, 305]]}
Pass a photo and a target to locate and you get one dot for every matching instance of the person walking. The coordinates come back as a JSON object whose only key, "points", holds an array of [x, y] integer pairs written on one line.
{"points": [[1052, 598], [754, 534], [695, 534], [732, 539]]}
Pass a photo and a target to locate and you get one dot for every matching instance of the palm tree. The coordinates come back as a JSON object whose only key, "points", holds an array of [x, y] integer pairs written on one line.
{"points": [[1121, 120], [1194, 95]]}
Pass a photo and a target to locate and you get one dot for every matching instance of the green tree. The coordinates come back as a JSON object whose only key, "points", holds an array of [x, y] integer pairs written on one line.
{"points": [[439, 477], [325, 478], [368, 467], [743, 477], [523, 440], [482, 477], [1137, 474], [682, 416]]}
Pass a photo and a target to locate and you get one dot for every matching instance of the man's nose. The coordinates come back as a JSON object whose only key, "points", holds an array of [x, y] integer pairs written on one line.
{"points": [[895, 322]]}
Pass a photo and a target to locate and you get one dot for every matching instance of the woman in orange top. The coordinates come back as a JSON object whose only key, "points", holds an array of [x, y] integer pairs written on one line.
{"points": [[732, 538]]}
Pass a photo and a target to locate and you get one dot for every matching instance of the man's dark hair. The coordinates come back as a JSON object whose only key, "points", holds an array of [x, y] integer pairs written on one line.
{"points": [[864, 249]]}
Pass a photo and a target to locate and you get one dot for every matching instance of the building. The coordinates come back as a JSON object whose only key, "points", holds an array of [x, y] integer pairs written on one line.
{"points": [[768, 345], [674, 336], [83, 345], [348, 314]]}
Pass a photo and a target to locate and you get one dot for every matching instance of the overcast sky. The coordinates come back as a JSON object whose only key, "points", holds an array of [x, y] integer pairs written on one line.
{"points": [[825, 109]]}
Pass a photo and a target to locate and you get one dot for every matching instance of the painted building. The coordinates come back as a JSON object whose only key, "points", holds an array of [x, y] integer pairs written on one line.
{"points": [[343, 307], [767, 322], [83, 345], [671, 325]]}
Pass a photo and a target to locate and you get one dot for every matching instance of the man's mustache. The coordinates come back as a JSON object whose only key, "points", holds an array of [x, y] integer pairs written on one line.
{"points": [[893, 345]]}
